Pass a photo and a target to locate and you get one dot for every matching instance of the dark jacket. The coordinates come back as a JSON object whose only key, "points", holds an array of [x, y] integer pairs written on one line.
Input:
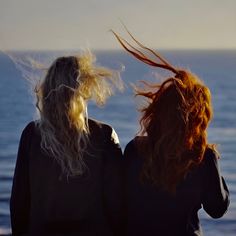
{"points": [[152, 211], [44, 202]]}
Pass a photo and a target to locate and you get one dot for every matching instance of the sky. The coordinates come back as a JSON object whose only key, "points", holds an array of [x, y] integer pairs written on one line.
{"points": [[79, 24]]}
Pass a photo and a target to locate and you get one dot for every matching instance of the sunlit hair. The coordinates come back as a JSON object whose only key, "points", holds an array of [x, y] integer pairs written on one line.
{"points": [[174, 120], [62, 102]]}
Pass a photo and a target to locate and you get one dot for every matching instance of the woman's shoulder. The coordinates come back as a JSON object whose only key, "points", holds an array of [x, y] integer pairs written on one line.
{"points": [[210, 160], [211, 155], [96, 124], [211, 152], [29, 128], [135, 146], [27, 134], [101, 129], [137, 141]]}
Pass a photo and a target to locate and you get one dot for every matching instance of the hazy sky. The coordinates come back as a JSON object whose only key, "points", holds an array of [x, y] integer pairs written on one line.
{"points": [[65, 24]]}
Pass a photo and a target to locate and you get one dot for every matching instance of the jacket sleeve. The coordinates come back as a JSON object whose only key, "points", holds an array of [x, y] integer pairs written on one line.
{"points": [[113, 181], [216, 194], [20, 195]]}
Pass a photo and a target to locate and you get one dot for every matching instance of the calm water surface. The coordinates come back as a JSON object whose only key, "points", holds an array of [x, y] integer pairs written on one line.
{"points": [[216, 68]]}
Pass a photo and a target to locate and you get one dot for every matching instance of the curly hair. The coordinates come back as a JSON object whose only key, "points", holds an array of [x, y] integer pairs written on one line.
{"points": [[175, 122]]}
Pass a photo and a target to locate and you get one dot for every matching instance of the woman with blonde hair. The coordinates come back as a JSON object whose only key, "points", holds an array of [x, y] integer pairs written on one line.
{"points": [[171, 170], [67, 177]]}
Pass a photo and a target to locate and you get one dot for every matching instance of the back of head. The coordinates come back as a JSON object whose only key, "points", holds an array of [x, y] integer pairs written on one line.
{"points": [[174, 121], [57, 92], [62, 101]]}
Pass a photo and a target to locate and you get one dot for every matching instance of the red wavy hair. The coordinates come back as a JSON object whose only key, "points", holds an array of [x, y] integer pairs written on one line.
{"points": [[175, 122]]}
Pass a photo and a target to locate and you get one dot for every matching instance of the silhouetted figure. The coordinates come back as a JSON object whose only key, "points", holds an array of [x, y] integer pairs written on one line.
{"points": [[67, 177], [171, 171]]}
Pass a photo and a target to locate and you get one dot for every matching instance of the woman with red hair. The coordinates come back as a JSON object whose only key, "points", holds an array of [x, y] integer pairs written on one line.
{"points": [[171, 169]]}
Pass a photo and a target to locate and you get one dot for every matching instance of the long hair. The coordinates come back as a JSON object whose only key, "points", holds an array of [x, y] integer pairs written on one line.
{"points": [[62, 102], [174, 120]]}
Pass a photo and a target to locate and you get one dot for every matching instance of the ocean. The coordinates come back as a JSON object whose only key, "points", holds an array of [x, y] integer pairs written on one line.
{"points": [[216, 68]]}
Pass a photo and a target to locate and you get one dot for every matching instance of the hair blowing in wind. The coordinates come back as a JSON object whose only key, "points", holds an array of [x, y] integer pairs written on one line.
{"points": [[175, 120], [62, 102]]}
